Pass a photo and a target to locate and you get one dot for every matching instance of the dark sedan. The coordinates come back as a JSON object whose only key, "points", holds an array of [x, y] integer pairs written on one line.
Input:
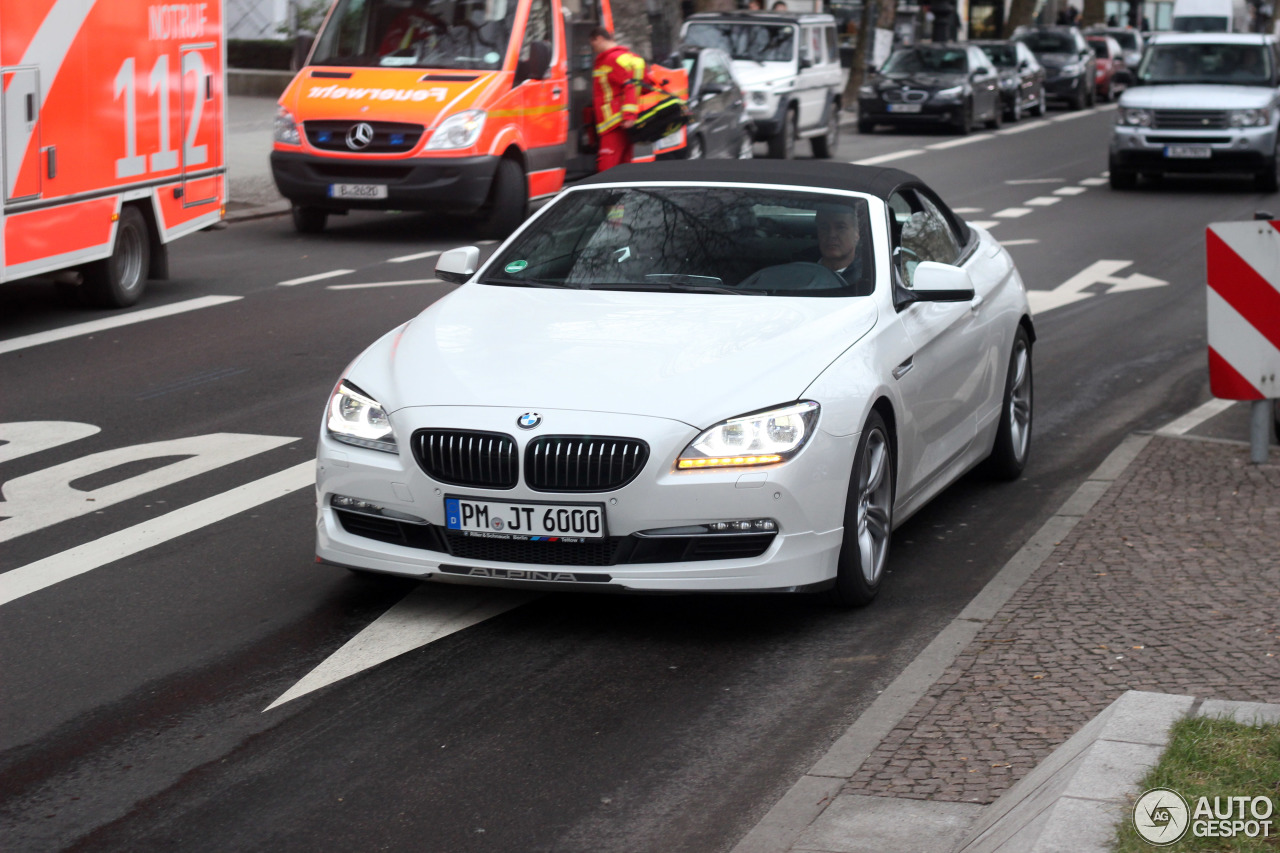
{"points": [[951, 85], [1021, 77], [1069, 64], [719, 127]]}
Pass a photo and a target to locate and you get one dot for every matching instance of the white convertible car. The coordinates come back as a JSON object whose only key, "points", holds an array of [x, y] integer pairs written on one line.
{"points": [[677, 377]]}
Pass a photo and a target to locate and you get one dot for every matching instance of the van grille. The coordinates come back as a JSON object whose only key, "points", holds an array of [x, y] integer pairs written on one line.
{"points": [[486, 460], [582, 463], [389, 137]]}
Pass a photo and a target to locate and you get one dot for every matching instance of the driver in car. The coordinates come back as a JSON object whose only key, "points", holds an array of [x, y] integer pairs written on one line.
{"points": [[838, 240], [411, 26]]}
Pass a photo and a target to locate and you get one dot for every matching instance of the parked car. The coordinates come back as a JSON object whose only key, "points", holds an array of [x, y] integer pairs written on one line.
{"points": [[1021, 77], [1112, 76], [1069, 65], [1131, 42], [1202, 102], [789, 67], [940, 84], [683, 377], [720, 126]]}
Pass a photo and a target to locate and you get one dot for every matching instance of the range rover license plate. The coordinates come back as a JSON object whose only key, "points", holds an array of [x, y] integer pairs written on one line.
{"points": [[357, 190], [524, 520], [1188, 152]]}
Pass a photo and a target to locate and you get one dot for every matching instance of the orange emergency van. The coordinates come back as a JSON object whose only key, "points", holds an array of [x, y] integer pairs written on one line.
{"points": [[453, 106], [112, 138]]}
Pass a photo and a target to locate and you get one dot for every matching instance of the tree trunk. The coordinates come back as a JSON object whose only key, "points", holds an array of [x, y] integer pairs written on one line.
{"points": [[1094, 12], [1021, 13], [860, 55]]}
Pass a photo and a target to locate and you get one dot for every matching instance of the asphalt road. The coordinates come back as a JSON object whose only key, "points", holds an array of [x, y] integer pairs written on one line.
{"points": [[135, 693]]}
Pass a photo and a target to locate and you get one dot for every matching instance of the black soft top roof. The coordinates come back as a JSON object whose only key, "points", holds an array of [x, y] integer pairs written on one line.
{"points": [[815, 174]]}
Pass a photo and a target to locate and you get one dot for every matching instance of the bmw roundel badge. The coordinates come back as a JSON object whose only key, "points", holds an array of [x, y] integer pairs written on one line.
{"points": [[528, 420]]}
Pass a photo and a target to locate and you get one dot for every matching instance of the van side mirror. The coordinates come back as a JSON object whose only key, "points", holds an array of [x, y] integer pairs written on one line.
{"points": [[458, 265], [805, 62], [935, 282], [536, 65]]}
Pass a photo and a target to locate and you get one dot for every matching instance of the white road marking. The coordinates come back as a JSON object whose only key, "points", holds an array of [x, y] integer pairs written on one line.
{"points": [[1012, 212], [1093, 182], [1105, 108], [1036, 181], [1023, 127], [1195, 417], [1027, 242], [306, 279], [125, 543], [369, 284], [418, 257], [1070, 190], [1072, 116], [888, 158], [1043, 200], [957, 142], [23, 438], [966, 210], [1099, 272], [988, 224], [113, 322], [429, 613], [42, 498]]}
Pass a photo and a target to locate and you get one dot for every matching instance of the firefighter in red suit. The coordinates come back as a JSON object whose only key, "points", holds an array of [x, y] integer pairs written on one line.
{"points": [[618, 74]]}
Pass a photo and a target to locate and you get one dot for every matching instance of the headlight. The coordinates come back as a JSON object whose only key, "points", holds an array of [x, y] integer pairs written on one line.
{"points": [[1249, 118], [1071, 70], [1135, 118], [764, 438], [457, 131], [949, 94], [867, 91], [356, 418], [1008, 83], [759, 97], [286, 129]]}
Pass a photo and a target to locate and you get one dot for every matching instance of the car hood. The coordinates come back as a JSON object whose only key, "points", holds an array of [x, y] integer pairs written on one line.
{"points": [[413, 95], [754, 75], [1056, 60], [1197, 96], [920, 81], [696, 358]]}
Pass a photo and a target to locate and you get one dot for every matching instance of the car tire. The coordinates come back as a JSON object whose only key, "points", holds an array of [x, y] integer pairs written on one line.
{"points": [[746, 147], [1015, 110], [1266, 181], [997, 116], [866, 126], [1041, 106], [694, 150], [1012, 447], [1123, 179], [868, 518], [508, 202], [308, 220], [1093, 95], [118, 280], [824, 147], [964, 124], [782, 145], [1080, 101]]}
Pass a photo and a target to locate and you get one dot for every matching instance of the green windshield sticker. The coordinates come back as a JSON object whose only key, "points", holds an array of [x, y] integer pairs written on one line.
{"points": [[516, 266]]}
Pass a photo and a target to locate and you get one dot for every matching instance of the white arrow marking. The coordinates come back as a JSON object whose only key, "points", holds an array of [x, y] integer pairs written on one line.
{"points": [[1099, 272], [429, 613], [25, 437]]}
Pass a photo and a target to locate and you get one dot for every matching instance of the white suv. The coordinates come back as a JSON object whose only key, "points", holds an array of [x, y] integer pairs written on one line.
{"points": [[789, 68]]}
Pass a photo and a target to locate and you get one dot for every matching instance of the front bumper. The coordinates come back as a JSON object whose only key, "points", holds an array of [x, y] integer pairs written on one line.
{"points": [[931, 112], [445, 184], [804, 496], [767, 115], [1241, 150], [1063, 88]]}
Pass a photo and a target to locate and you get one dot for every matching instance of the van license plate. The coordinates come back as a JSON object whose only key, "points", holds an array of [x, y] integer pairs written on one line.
{"points": [[904, 108], [1188, 152], [523, 520], [357, 191]]}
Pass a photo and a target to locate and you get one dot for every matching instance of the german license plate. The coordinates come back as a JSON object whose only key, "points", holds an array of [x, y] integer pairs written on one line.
{"points": [[904, 108], [357, 190], [524, 520], [1188, 152], [669, 141]]}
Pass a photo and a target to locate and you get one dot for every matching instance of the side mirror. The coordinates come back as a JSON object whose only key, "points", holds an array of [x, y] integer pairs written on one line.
{"points": [[458, 265], [536, 65], [935, 282], [805, 62]]}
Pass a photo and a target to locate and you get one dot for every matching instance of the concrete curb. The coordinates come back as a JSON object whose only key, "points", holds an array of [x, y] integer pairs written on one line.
{"points": [[782, 826]]}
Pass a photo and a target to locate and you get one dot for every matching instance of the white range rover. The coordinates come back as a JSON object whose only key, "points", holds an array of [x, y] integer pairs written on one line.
{"points": [[1202, 102]]}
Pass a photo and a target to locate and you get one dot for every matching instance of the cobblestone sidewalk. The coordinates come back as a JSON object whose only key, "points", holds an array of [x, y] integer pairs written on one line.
{"points": [[1171, 584]]}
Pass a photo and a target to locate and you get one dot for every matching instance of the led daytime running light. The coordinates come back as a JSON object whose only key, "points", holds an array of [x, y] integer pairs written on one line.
{"points": [[728, 462]]}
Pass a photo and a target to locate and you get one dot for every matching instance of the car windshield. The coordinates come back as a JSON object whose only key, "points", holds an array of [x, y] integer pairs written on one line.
{"points": [[713, 240], [1099, 49], [463, 34], [1127, 40], [1001, 55], [1238, 64], [758, 42], [928, 59], [1048, 42]]}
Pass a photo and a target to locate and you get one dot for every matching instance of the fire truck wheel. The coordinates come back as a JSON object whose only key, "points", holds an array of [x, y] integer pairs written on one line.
{"points": [[308, 220], [508, 201], [118, 281]]}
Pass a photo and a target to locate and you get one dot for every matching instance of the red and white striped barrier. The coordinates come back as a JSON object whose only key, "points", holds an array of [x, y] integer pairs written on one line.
{"points": [[1244, 309]]}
